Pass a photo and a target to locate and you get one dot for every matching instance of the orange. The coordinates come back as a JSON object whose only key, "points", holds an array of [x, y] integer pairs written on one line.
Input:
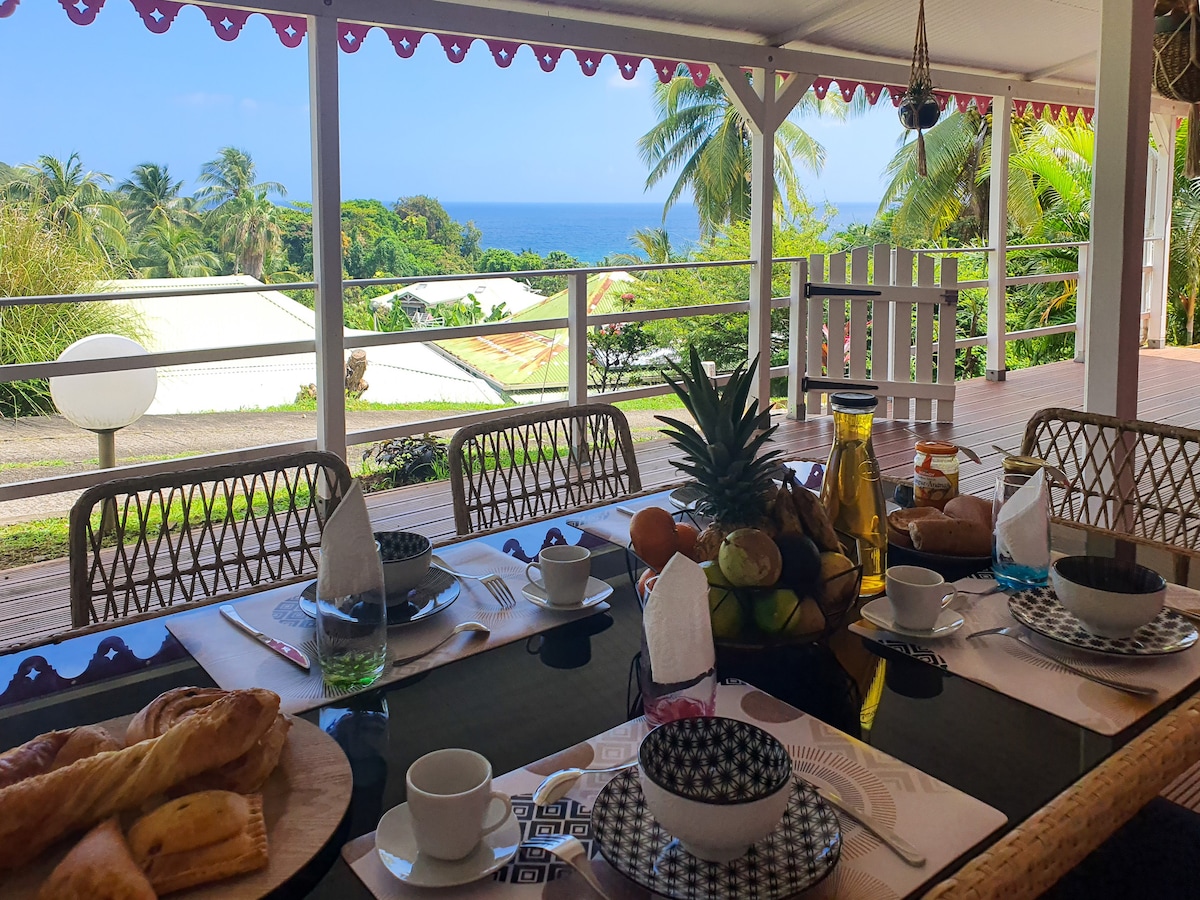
{"points": [[685, 539], [652, 533]]}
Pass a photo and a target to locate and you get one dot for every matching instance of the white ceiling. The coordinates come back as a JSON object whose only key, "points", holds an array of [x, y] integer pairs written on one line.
{"points": [[1050, 41]]}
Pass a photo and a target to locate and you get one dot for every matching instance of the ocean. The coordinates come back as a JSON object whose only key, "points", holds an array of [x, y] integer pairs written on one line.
{"points": [[592, 231]]}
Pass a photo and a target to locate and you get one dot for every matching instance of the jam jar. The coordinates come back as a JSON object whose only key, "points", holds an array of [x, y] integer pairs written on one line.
{"points": [[935, 473]]}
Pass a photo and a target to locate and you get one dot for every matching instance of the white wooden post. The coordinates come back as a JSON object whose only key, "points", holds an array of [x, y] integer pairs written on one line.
{"points": [[997, 305], [1162, 126], [1082, 292], [327, 231], [1118, 208], [764, 104], [797, 340], [577, 337]]}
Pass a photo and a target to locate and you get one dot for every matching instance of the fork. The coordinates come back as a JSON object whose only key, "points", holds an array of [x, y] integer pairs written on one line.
{"points": [[1011, 632], [496, 585], [569, 850]]}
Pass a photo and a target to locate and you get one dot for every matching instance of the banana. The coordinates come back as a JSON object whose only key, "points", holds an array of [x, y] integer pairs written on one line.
{"points": [[813, 517], [785, 514]]}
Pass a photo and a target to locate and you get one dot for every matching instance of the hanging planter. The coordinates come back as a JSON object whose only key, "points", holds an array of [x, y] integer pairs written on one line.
{"points": [[919, 110], [1177, 66]]}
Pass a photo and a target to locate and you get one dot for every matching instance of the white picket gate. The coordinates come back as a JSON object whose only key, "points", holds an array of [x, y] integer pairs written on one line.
{"points": [[880, 331]]}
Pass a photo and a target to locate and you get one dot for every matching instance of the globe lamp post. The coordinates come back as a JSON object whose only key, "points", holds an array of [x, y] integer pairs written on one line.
{"points": [[104, 402]]}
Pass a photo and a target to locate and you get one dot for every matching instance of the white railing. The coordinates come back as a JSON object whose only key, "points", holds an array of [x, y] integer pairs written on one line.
{"points": [[577, 323]]}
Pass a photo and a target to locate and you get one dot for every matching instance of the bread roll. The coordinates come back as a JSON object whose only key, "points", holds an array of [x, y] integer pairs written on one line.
{"points": [[899, 521], [200, 838], [244, 775], [38, 811], [99, 867], [951, 537], [53, 750], [974, 509]]}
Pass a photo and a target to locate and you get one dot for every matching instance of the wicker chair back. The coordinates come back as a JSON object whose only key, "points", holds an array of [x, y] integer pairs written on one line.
{"points": [[141, 545], [525, 466], [1133, 480]]}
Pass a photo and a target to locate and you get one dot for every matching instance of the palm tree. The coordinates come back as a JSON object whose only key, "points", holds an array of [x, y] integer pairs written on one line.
{"points": [[701, 136], [239, 209], [249, 229], [168, 250], [952, 198], [1184, 269], [72, 199], [150, 196], [653, 245]]}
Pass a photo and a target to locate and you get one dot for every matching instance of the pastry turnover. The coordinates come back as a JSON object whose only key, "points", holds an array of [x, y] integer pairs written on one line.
{"points": [[99, 867], [200, 838], [243, 775], [37, 811]]}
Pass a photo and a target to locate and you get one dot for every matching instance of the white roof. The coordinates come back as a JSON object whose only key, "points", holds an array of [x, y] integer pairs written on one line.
{"points": [[404, 373], [491, 292]]}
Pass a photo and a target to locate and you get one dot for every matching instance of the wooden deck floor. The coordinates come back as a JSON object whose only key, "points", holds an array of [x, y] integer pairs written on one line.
{"points": [[34, 600]]}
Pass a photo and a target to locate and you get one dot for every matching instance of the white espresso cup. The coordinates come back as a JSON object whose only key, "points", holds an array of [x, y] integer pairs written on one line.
{"points": [[449, 796], [918, 596], [563, 573]]}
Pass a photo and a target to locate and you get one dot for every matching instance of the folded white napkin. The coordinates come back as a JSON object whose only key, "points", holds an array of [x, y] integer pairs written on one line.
{"points": [[1022, 526], [676, 620], [349, 561]]}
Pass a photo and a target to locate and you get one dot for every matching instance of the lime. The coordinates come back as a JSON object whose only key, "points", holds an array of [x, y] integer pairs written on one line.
{"points": [[726, 612], [773, 610], [713, 573]]}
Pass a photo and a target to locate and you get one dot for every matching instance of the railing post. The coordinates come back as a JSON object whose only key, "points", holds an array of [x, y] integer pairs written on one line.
{"points": [[327, 231], [797, 340], [997, 304], [1163, 128], [1082, 294], [577, 337]]}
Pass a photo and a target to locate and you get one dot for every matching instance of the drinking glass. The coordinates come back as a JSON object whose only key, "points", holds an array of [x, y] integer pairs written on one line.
{"points": [[1032, 569], [668, 702], [352, 635]]}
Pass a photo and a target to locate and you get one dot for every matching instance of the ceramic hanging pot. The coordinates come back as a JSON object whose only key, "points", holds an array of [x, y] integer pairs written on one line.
{"points": [[919, 114]]}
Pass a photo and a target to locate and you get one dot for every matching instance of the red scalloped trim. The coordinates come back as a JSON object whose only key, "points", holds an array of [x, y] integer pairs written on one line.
{"points": [[456, 46], [157, 15], [82, 12], [503, 52], [547, 57], [8, 7], [351, 36], [226, 23]]}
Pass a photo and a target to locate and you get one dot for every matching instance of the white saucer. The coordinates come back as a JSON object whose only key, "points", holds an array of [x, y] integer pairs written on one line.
{"points": [[596, 591], [397, 849], [879, 613]]}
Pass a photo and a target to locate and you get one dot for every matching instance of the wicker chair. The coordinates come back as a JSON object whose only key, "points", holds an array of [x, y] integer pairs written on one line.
{"points": [[1133, 480], [1032, 857], [524, 466], [141, 545]]}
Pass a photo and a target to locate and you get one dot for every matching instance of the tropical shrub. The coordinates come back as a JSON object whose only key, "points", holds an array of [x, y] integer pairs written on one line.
{"points": [[407, 460], [39, 258]]}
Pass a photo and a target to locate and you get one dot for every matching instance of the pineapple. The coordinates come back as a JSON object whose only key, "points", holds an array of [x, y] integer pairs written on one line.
{"points": [[722, 456]]}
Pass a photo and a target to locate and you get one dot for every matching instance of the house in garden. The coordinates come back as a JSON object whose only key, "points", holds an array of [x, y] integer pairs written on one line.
{"points": [[418, 300]]}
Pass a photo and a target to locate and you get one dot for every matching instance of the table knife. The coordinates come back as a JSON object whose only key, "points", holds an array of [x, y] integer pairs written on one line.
{"points": [[284, 649], [899, 846]]}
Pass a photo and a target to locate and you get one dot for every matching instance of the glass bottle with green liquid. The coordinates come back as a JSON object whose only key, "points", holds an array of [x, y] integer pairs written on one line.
{"points": [[853, 491]]}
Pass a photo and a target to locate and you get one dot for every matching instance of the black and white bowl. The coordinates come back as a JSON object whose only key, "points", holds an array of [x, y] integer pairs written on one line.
{"points": [[1112, 598], [405, 556], [718, 785]]}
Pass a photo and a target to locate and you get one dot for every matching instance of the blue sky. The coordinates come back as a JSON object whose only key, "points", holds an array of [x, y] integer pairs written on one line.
{"points": [[120, 95]]}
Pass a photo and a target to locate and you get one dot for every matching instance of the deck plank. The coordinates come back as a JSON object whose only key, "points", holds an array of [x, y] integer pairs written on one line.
{"points": [[34, 599]]}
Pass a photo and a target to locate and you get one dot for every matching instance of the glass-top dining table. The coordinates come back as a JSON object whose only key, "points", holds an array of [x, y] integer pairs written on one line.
{"points": [[533, 698]]}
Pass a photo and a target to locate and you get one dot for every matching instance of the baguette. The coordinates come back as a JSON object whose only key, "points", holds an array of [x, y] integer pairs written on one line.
{"points": [[899, 520], [970, 508], [951, 537], [36, 812]]}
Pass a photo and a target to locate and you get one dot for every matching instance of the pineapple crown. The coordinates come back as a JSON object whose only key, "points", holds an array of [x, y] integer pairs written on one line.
{"points": [[723, 454]]}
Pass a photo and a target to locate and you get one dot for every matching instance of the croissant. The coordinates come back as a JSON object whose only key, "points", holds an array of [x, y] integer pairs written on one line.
{"points": [[244, 775], [53, 750], [36, 812]]}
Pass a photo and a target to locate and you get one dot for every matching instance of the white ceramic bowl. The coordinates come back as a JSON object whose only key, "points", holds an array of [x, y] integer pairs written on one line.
{"points": [[718, 785], [1111, 598]]}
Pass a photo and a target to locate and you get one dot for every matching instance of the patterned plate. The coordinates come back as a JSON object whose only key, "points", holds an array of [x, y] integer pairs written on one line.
{"points": [[436, 591], [1040, 610], [799, 853]]}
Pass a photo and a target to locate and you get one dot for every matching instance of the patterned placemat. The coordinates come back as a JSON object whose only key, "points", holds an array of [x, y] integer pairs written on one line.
{"points": [[1006, 666], [942, 822], [611, 523], [235, 661]]}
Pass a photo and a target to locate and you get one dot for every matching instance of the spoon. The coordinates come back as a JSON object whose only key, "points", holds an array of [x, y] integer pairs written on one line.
{"points": [[458, 629], [555, 787]]}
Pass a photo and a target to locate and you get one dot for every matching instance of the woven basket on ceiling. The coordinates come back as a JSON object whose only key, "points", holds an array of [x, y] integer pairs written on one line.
{"points": [[1177, 74]]}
